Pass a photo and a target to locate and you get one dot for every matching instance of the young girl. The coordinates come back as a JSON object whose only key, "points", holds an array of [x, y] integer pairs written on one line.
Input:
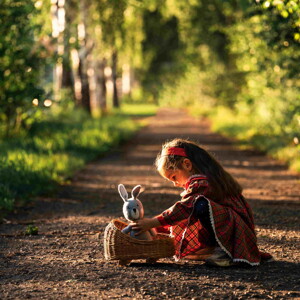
{"points": [[212, 213]]}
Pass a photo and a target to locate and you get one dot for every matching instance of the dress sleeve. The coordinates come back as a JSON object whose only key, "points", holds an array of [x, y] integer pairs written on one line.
{"points": [[200, 187], [175, 214], [163, 229], [181, 210]]}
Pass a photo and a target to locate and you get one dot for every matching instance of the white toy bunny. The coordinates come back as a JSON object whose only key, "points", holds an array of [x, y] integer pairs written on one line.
{"points": [[133, 210]]}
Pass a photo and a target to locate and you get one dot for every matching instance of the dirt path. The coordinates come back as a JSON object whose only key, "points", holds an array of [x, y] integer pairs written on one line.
{"points": [[65, 260]]}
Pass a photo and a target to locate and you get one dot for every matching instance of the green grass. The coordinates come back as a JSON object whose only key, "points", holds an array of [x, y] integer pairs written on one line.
{"points": [[249, 131], [139, 110], [36, 161]]}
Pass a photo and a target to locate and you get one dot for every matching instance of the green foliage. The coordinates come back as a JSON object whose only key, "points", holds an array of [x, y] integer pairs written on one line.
{"points": [[111, 18], [161, 48], [7, 197], [18, 179], [19, 62], [284, 18], [245, 56], [31, 230], [53, 149], [279, 28], [252, 130], [189, 91]]}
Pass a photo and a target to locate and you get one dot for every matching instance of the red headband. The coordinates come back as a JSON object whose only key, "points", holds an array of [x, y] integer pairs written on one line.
{"points": [[175, 151]]}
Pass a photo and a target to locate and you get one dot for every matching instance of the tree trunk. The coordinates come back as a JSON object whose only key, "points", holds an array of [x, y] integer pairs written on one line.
{"points": [[85, 87], [127, 80], [84, 54], [8, 112], [114, 78], [101, 85], [67, 74], [56, 35]]}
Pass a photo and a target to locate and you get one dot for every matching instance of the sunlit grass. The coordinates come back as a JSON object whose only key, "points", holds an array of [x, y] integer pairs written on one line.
{"points": [[56, 146], [139, 109], [249, 131]]}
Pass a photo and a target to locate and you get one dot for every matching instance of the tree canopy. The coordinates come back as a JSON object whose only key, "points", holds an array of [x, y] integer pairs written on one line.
{"points": [[86, 50]]}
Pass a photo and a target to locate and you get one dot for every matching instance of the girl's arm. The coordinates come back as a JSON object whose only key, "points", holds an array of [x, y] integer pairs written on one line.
{"points": [[175, 214], [178, 212], [145, 224]]}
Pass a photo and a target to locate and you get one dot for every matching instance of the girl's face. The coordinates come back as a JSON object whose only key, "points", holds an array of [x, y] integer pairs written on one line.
{"points": [[180, 176]]}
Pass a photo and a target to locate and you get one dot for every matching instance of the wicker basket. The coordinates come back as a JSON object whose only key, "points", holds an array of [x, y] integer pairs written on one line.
{"points": [[122, 247]]}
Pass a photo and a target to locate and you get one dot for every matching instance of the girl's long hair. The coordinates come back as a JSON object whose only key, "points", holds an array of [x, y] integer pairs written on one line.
{"points": [[221, 182]]}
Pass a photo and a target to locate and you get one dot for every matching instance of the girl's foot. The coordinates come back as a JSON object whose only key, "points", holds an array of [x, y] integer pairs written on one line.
{"points": [[201, 254], [219, 258]]}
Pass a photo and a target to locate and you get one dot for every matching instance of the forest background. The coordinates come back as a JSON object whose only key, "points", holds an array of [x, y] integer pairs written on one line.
{"points": [[73, 73]]}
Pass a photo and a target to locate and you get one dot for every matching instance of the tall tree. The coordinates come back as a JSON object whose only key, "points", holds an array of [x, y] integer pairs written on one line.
{"points": [[19, 62], [86, 45], [161, 47], [70, 8], [101, 84], [111, 18], [114, 77]]}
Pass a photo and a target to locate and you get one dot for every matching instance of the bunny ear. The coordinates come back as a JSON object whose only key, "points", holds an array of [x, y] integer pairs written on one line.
{"points": [[123, 193], [136, 190]]}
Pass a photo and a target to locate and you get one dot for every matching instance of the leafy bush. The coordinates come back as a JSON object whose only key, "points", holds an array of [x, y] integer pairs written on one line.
{"points": [[31, 230], [190, 91], [52, 150], [253, 130]]}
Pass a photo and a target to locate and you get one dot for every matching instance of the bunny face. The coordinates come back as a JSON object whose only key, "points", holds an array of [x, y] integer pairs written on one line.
{"points": [[133, 208]]}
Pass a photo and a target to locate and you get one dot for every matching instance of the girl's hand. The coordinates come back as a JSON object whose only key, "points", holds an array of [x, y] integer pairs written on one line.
{"points": [[145, 224]]}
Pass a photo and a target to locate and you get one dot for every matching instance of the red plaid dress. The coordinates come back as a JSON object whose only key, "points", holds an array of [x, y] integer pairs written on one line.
{"points": [[231, 219]]}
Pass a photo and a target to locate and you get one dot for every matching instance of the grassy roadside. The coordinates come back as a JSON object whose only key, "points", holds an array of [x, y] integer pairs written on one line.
{"points": [[55, 147], [249, 132]]}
